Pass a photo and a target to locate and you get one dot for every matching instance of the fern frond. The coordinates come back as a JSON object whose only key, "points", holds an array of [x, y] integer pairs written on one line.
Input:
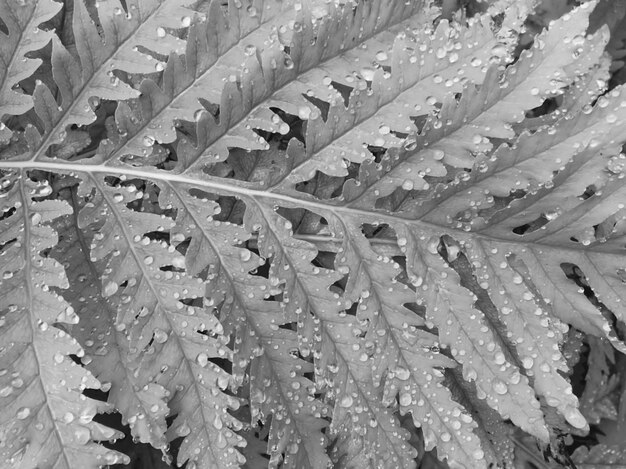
{"points": [[414, 373], [597, 401], [156, 304], [288, 253], [578, 97], [278, 387], [293, 82], [46, 421], [600, 457], [22, 21], [463, 129], [131, 39], [143, 406], [467, 331], [382, 107], [216, 49], [366, 431]]}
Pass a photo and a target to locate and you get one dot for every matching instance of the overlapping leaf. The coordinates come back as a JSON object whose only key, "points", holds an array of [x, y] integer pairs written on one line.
{"points": [[44, 418]]}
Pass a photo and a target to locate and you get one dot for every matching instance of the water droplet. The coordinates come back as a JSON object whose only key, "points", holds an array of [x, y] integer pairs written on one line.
{"points": [[402, 373], [405, 399], [346, 401], [44, 191], [82, 435], [367, 73], [498, 50], [202, 359], [499, 387], [381, 56], [221, 441], [183, 430], [110, 288], [35, 218], [478, 454], [160, 336], [160, 32], [217, 422], [616, 164], [22, 413]]}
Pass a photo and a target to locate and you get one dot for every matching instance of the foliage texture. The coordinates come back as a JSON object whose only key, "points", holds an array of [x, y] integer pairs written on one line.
{"points": [[311, 234]]}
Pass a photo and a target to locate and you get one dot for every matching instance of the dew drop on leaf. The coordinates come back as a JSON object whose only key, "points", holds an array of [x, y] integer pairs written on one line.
{"points": [[499, 386], [367, 73], [35, 218], [402, 373], [405, 399], [616, 164], [346, 401], [202, 359], [110, 288], [221, 441], [381, 56], [217, 422], [160, 336], [82, 435], [183, 430], [22, 413]]}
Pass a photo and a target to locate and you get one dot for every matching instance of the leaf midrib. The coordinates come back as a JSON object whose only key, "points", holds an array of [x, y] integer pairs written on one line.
{"points": [[307, 203], [164, 310], [237, 296]]}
